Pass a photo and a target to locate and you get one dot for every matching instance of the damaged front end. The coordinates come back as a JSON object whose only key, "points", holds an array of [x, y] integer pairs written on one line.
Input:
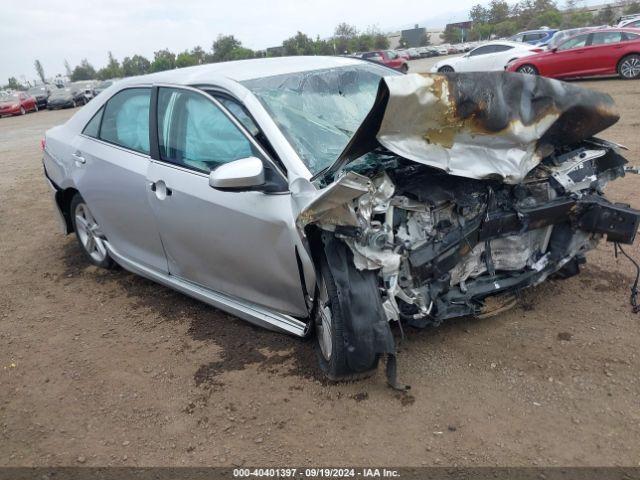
{"points": [[458, 191]]}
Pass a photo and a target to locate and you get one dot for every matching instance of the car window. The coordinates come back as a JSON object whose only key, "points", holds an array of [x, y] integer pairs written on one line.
{"points": [[501, 48], [517, 38], [530, 37], [126, 119], [481, 50], [631, 36], [605, 38], [240, 113], [92, 129], [575, 42], [392, 55], [195, 133]]}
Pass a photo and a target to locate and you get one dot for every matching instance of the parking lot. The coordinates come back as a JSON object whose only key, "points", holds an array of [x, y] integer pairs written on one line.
{"points": [[106, 368]]}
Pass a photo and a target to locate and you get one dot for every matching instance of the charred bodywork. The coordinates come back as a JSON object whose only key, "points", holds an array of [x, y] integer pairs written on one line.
{"points": [[461, 190]]}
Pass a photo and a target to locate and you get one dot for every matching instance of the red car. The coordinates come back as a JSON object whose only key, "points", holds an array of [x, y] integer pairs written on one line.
{"points": [[17, 103], [608, 51], [389, 58]]}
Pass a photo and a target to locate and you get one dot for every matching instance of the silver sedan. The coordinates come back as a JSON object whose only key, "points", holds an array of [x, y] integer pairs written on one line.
{"points": [[333, 196]]}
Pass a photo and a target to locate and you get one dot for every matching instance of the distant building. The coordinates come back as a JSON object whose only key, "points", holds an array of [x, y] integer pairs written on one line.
{"points": [[413, 37], [462, 27]]}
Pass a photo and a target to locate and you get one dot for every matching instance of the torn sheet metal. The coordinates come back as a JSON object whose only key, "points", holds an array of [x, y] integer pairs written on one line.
{"points": [[479, 125]]}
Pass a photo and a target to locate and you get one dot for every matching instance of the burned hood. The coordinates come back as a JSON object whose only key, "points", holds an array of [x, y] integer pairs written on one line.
{"points": [[478, 125]]}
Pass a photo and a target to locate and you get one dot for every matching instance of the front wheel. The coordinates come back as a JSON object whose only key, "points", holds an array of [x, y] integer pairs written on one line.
{"points": [[404, 68], [22, 111], [629, 67], [89, 234], [527, 70], [329, 329], [445, 69]]}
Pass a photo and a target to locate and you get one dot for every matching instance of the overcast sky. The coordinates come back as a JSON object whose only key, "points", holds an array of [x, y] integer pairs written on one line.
{"points": [[55, 30]]}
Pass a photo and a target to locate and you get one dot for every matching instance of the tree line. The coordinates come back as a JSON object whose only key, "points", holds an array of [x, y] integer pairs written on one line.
{"points": [[346, 39], [499, 19]]}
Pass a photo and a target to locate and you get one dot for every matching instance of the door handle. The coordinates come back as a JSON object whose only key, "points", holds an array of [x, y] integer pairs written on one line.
{"points": [[78, 157], [161, 190]]}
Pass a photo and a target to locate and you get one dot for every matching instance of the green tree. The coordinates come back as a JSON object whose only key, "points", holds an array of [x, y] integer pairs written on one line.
{"points": [[227, 47], [606, 16], [84, 71], [163, 60], [67, 68], [39, 70], [343, 36], [381, 42], [578, 19], [186, 59], [299, 44], [548, 18], [633, 7], [478, 14], [498, 11], [14, 84], [112, 70], [136, 65], [199, 54], [451, 34]]}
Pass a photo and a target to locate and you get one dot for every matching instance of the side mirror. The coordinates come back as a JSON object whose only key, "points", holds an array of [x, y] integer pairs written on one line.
{"points": [[238, 175], [554, 49]]}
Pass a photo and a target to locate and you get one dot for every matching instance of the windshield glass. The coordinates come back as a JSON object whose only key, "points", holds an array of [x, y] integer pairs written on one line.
{"points": [[36, 91], [61, 92], [319, 111]]}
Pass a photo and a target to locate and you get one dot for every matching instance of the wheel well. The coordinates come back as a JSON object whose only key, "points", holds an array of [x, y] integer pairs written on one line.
{"points": [[623, 57], [63, 199]]}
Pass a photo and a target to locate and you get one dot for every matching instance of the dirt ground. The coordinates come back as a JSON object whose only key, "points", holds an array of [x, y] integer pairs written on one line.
{"points": [[106, 368]]}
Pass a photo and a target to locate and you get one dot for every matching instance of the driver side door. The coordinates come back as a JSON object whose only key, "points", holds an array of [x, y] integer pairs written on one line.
{"points": [[240, 243]]}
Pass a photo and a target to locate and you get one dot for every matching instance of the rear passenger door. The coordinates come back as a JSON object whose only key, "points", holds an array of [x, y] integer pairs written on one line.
{"points": [[605, 51], [112, 160]]}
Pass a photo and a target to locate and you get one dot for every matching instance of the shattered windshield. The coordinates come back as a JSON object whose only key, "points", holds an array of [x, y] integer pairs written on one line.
{"points": [[318, 111]]}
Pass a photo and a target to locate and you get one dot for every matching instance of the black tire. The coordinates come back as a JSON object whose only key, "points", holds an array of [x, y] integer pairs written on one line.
{"points": [[629, 67], [335, 368], [73, 104], [446, 69], [527, 69], [404, 68], [107, 262]]}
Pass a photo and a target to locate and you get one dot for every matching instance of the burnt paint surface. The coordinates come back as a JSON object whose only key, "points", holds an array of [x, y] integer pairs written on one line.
{"points": [[492, 103]]}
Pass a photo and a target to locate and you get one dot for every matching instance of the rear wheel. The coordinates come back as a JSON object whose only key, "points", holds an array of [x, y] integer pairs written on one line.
{"points": [[445, 69], [404, 68], [329, 329], [629, 67], [89, 234], [527, 70]]}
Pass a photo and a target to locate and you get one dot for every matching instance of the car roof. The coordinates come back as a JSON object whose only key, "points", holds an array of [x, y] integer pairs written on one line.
{"points": [[540, 30], [507, 42], [240, 70]]}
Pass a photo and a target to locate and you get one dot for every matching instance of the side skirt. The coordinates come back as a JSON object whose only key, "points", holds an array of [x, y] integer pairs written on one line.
{"points": [[250, 312]]}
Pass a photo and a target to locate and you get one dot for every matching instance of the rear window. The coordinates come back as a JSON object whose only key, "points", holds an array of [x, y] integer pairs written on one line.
{"points": [[125, 120], [604, 38]]}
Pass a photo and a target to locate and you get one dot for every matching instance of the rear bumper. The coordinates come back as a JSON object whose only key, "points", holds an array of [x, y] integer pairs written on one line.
{"points": [[54, 189]]}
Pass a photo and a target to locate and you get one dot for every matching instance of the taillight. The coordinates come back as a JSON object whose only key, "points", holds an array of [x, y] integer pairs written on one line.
{"points": [[43, 144]]}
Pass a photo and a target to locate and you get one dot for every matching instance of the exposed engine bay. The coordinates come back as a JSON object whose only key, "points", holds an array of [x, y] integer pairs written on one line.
{"points": [[457, 217], [443, 244]]}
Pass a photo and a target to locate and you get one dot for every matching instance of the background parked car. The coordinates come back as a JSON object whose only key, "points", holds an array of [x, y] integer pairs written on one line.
{"points": [[41, 94], [534, 37], [389, 58], [87, 89], [65, 98], [562, 35], [17, 103], [100, 87], [600, 52], [490, 56], [629, 21]]}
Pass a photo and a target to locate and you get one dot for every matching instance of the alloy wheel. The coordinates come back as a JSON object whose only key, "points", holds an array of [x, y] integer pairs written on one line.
{"points": [[630, 67], [445, 69], [527, 70], [323, 323], [22, 111], [89, 233]]}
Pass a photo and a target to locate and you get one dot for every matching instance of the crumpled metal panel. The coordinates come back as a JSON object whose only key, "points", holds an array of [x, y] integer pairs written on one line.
{"points": [[479, 125]]}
